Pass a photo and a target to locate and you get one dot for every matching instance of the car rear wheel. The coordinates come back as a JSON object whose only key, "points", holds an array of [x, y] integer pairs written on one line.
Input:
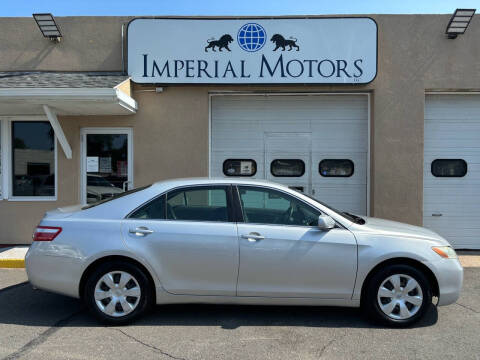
{"points": [[118, 292], [397, 295]]}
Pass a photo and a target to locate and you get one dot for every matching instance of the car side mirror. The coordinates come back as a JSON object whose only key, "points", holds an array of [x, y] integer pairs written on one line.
{"points": [[325, 222]]}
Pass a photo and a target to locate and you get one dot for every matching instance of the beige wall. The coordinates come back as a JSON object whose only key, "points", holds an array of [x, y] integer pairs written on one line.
{"points": [[88, 44], [171, 128]]}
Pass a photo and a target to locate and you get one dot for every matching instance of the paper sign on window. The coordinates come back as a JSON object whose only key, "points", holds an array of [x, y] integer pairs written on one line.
{"points": [[92, 163]]}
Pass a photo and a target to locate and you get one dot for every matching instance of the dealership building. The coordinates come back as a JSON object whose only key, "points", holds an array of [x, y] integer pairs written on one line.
{"points": [[376, 115]]}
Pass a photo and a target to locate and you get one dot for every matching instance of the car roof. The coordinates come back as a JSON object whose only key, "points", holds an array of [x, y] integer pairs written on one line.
{"points": [[170, 183]]}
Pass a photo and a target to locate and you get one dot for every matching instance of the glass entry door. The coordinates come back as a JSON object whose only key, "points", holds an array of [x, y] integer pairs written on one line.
{"points": [[106, 163]]}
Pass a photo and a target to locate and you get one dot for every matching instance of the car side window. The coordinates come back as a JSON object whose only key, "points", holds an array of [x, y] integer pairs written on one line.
{"points": [[203, 203], [154, 210], [268, 206]]}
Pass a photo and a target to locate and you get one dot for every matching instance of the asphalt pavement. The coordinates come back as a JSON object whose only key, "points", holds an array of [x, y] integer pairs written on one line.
{"points": [[38, 325]]}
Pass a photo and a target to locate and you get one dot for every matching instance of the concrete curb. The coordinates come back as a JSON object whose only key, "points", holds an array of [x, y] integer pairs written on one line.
{"points": [[13, 257], [12, 263]]}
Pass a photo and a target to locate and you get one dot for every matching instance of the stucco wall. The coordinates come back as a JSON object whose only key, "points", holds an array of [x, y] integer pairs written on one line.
{"points": [[171, 128], [88, 44]]}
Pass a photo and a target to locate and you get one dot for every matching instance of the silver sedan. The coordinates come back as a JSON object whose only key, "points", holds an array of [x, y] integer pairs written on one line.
{"points": [[238, 242]]}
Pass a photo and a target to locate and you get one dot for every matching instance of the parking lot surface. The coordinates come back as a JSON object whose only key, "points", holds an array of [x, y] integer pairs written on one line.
{"points": [[39, 325]]}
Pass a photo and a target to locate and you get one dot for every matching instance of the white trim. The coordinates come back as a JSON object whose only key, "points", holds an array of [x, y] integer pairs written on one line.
{"points": [[11, 197], [83, 153], [59, 134], [5, 161], [108, 95], [476, 92], [252, 93], [369, 152], [24, 117]]}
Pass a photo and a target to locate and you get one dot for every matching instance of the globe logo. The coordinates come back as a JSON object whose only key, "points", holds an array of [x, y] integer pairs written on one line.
{"points": [[251, 37]]}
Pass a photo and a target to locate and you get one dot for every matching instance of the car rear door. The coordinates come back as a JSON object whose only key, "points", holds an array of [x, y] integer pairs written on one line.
{"points": [[189, 237], [284, 254]]}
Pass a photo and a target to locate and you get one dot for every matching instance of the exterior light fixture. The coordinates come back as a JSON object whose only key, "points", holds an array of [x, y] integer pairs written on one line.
{"points": [[47, 25], [459, 22]]}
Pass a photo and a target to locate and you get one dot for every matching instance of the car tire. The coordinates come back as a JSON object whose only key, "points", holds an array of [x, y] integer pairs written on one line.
{"points": [[397, 295], [118, 292]]}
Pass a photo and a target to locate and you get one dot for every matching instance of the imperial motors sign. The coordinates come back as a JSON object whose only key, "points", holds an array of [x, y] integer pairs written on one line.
{"points": [[252, 51]]}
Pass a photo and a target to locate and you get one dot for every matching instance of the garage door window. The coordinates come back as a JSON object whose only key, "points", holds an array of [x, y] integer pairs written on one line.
{"points": [[336, 168], [287, 167], [239, 167], [449, 168]]}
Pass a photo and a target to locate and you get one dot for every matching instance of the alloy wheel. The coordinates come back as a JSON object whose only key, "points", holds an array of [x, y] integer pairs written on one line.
{"points": [[400, 296], [117, 293]]}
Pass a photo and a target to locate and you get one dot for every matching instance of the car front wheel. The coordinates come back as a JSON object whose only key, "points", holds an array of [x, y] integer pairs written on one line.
{"points": [[118, 292], [397, 295]]}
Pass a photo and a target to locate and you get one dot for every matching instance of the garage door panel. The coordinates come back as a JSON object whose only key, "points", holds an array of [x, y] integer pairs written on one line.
{"points": [[351, 197], [452, 131], [337, 127]]}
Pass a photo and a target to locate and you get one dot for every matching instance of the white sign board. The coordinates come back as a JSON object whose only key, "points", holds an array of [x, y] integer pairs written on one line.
{"points": [[252, 51]]}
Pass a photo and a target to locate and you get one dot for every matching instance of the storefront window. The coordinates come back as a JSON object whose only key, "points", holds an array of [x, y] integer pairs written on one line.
{"points": [[33, 159]]}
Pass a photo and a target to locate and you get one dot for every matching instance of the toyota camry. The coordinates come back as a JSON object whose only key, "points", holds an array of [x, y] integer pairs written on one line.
{"points": [[238, 242]]}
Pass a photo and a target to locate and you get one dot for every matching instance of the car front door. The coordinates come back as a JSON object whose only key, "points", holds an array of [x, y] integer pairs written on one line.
{"points": [[283, 253], [189, 237]]}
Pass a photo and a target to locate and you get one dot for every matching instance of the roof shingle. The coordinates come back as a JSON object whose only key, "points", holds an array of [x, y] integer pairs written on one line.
{"points": [[61, 79]]}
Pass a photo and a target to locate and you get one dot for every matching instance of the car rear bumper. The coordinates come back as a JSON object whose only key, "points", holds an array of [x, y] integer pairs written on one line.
{"points": [[449, 274], [59, 274]]}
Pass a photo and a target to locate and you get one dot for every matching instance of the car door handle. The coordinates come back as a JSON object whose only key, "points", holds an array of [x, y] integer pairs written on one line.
{"points": [[140, 231], [253, 237], [436, 214]]}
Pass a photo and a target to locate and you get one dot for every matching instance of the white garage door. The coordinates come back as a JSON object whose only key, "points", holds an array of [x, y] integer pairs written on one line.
{"points": [[317, 144], [452, 168]]}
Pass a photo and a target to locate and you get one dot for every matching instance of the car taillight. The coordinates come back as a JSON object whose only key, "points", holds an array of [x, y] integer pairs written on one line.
{"points": [[46, 233]]}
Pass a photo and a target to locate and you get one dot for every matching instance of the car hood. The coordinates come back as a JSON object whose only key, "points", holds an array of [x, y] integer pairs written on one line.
{"points": [[398, 229]]}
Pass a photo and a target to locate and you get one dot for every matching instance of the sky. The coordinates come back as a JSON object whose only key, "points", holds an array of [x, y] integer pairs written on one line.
{"points": [[232, 7]]}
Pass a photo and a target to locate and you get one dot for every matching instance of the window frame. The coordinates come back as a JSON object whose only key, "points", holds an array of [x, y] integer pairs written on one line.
{"points": [[287, 176], [232, 159], [230, 202], [228, 194], [164, 195], [3, 156], [239, 208], [449, 176], [7, 165], [336, 176]]}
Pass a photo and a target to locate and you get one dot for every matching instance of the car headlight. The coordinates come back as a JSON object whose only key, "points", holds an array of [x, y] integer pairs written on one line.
{"points": [[445, 252]]}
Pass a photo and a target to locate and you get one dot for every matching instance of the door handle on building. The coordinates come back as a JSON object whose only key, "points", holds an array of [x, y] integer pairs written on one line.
{"points": [[253, 237], [140, 231]]}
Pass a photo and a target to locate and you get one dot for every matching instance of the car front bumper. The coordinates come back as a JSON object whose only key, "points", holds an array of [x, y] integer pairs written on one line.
{"points": [[449, 274]]}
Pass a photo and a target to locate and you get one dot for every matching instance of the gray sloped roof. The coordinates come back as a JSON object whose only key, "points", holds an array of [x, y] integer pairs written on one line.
{"points": [[61, 79]]}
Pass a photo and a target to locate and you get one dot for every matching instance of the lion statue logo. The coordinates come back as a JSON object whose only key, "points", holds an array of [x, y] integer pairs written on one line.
{"points": [[222, 43], [281, 42]]}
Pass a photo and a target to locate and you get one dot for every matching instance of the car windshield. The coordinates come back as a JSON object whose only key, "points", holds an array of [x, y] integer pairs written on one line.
{"points": [[119, 195], [353, 218]]}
